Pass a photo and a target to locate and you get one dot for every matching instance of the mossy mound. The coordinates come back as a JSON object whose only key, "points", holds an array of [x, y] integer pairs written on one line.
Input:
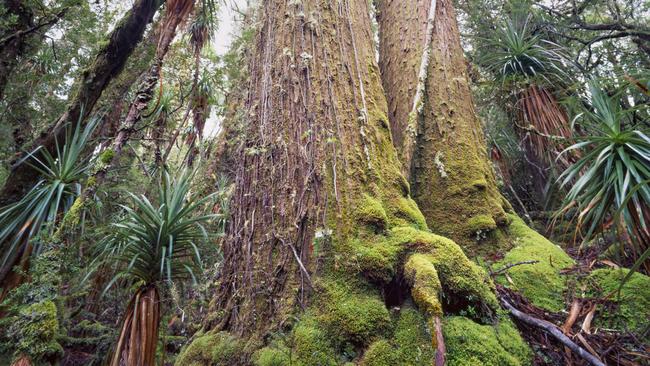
{"points": [[410, 343], [541, 283], [304, 345], [353, 315], [472, 344], [632, 307], [210, 349], [35, 332]]}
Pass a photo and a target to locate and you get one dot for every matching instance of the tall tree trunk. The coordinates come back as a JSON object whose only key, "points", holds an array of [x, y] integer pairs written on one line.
{"points": [[12, 49], [451, 179], [107, 65], [322, 219]]}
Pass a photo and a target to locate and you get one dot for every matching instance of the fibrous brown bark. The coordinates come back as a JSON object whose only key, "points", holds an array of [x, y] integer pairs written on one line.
{"points": [[176, 12], [450, 176], [107, 65], [136, 345], [402, 42]]}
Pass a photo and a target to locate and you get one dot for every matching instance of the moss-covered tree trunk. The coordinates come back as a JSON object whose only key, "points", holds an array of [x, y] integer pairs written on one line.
{"points": [[327, 259], [452, 180]]}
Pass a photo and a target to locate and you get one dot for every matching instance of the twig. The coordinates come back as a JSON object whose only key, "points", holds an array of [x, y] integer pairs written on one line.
{"points": [[553, 331], [440, 343], [508, 266]]}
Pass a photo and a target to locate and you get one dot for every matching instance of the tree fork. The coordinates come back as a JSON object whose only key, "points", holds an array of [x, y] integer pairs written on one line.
{"points": [[326, 204]]}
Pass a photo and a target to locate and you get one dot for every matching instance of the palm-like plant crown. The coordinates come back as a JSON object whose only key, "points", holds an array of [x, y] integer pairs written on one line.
{"points": [[613, 176], [513, 52], [159, 242], [52, 196]]}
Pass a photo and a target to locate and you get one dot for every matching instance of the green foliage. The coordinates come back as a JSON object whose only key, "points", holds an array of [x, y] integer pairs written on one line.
{"points": [[156, 242], [612, 177], [31, 321], [513, 52], [36, 328], [54, 193]]}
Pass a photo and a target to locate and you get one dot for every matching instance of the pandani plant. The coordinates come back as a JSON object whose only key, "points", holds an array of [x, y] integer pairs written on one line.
{"points": [[611, 186], [529, 68], [153, 246], [37, 213], [200, 32]]}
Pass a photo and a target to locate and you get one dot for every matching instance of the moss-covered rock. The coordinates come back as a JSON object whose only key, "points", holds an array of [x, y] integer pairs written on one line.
{"points": [[380, 353], [472, 344], [426, 289], [460, 278], [632, 307], [541, 282], [210, 349]]}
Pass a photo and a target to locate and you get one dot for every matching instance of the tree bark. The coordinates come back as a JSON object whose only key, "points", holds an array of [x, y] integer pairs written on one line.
{"points": [[176, 12], [108, 63], [136, 345], [450, 177], [321, 215], [12, 49]]}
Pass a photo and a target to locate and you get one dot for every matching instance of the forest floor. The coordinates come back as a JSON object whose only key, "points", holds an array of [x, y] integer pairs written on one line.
{"points": [[612, 326]]}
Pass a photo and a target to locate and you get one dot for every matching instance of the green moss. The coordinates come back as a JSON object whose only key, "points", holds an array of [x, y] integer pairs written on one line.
{"points": [[472, 344], [632, 307], [380, 353], [403, 211], [370, 211], [35, 332], [460, 278], [271, 356], [410, 344], [312, 345], [305, 345], [355, 316], [479, 225], [413, 338], [541, 282], [71, 219], [106, 157], [425, 285], [376, 259], [91, 181], [210, 349]]}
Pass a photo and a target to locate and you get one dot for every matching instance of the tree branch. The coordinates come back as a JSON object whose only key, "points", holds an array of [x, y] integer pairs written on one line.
{"points": [[553, 331]]}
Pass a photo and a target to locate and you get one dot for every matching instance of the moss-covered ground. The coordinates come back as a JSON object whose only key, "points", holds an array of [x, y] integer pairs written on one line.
{"points": [[542, 283]]}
